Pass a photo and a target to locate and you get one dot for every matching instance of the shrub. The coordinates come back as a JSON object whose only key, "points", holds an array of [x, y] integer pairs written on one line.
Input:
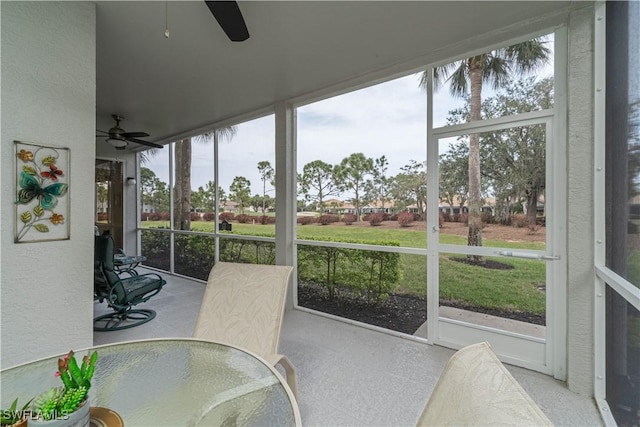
{"points": [[244, 219], [446, 216], [164, 216], [265, 219], [306, 220], [487, 218], [349, 219], [519, 220], [144, 216], [209, 216], [103, 216], [394, 217], [195, 216], [328, 219], [372, 274], [440, 219], [405, 219], [226, 216], [461, 217], [376, 219], [464, 218]]}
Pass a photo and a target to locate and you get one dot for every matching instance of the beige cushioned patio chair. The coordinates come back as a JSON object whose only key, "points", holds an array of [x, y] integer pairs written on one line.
{"points": [[243, 306], [475, 389]]}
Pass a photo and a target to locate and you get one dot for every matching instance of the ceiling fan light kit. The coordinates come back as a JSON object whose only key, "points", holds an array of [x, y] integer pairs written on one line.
{"points": [[118, 143], [117, 137]]}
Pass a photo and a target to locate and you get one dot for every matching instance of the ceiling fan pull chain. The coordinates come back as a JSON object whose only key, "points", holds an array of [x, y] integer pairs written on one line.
{"points": [[166, 19]]}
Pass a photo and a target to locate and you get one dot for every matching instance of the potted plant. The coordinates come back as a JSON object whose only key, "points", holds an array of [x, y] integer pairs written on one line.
{"points": [[66, 405], [15, 417]]}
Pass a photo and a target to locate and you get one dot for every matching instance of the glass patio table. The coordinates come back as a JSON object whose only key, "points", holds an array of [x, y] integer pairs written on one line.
{"points": [[127, 263], [171, 382]]}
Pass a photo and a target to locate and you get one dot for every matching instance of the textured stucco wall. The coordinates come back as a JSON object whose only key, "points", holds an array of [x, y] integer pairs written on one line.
{"points": [[580, 228], [48, 97]]}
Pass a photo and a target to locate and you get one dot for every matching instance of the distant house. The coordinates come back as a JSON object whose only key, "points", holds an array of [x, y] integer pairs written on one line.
{"points": [[378, 206], [455, 207], [338, 207], [229, 206]]}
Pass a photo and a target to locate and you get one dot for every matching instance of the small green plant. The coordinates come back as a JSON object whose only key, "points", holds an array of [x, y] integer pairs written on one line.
{"points": [[13, 414], [63, 400]]}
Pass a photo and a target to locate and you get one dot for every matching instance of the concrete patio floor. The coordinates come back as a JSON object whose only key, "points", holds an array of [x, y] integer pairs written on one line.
{"points": [[349, 375]]}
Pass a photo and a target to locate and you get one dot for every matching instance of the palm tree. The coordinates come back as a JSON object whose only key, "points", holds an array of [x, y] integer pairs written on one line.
{"points": [[182, 186], [468, 75]]}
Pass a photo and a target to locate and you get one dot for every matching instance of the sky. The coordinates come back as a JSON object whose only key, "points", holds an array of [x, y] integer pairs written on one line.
{"points": [[385, 119]]}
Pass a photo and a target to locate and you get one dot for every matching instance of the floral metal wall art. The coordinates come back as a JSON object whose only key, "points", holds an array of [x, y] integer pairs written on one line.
{"points": [[42, 184]]}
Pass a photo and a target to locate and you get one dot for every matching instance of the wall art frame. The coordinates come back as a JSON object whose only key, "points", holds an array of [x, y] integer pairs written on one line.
{"points": [[41, 192]]}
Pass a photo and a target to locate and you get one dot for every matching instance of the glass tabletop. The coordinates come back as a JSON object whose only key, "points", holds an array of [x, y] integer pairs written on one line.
{"points": [[175, 382], [128, 259]]}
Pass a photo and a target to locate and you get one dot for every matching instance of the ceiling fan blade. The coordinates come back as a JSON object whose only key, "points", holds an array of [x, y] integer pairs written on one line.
{"points": [[103, 131], [135, 134], [228, 15], [147, 143]]}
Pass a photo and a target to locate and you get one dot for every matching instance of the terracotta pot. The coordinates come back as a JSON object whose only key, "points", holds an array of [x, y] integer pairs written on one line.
{"points": [[21, 423], [78, 418]]}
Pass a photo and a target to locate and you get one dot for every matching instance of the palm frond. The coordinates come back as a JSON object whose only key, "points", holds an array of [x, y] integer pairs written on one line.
{"points": [[528, 56], [227, 132], [146, 155], [459, 79], [496, 70]]}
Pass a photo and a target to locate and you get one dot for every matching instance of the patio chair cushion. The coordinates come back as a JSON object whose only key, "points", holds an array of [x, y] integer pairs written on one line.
{"points": [[121, 293], [476, 389], [243, 305]]}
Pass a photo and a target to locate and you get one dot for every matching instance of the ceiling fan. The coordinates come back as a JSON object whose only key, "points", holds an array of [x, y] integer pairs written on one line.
{"points": [[117, 137], [228, 15]]}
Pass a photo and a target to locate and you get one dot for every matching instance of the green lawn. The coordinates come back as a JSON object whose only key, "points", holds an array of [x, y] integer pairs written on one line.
{"points": [[518, 289]]}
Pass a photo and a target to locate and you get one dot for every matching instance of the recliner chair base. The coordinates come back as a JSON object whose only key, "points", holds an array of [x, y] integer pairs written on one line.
{"points": [[130, 318]]}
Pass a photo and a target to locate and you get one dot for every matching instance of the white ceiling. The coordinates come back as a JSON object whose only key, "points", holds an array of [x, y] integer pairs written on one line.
{"points": [[197, 77]]}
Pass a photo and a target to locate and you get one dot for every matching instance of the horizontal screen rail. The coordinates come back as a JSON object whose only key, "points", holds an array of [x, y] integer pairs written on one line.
{"points": [[528, 255]]}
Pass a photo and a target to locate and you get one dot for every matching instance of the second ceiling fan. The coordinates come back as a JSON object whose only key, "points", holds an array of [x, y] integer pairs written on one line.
{"points": [[117, 137]]}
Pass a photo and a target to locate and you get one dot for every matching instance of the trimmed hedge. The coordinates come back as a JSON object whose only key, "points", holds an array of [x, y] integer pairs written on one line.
{"points": [[372, 274]]}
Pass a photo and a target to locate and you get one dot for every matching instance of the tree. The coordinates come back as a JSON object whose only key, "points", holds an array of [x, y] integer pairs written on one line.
{"points": [[468, 75], [410, 186], [153, 191], [240, 191], [381, 184], [204, 198], [352, 174], [182, 186], [454, 175], [513, 159], [316, 182], [266, 174], [103, 195]]}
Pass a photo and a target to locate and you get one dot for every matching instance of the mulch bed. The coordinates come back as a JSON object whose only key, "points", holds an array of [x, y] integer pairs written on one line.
{"points": [[402, 313]]}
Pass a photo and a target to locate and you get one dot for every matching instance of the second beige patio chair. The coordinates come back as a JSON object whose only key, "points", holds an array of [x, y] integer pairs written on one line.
{"points": [[476, 389], [243, 306]]}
